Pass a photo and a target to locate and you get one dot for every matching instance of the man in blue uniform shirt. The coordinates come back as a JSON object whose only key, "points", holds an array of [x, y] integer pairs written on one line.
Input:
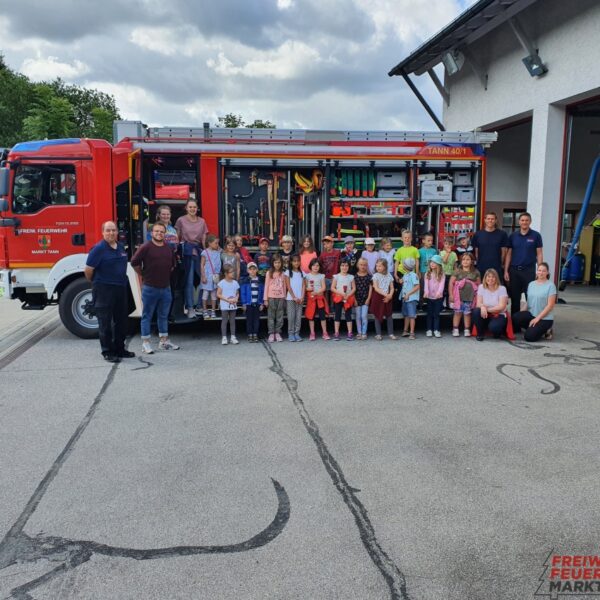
{"points": [[525, 252], [106, 268]]}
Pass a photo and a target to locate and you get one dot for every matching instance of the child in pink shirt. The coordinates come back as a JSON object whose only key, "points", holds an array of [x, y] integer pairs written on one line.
{"points": [[434, 281]]}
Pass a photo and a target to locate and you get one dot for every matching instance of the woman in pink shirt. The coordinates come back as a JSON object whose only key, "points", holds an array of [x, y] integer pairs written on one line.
{"points": [[433, 291]]}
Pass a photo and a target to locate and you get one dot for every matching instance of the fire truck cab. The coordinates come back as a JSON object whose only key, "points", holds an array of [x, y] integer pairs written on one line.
{"points": [[56, 194]]}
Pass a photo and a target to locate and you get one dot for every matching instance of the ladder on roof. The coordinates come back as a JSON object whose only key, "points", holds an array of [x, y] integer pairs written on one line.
{"points": [[299, 136]]}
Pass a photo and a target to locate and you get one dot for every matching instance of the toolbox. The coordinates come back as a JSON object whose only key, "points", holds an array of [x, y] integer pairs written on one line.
{"points": [[400, 193], [436, 191], [391, 179], [464, 194], [462, 178]]}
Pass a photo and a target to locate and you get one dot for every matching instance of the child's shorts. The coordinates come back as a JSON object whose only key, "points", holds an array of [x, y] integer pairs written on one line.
{"points": [[409, 309], [465, 308]]}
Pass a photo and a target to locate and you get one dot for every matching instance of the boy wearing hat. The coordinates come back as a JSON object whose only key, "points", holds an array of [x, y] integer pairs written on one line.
{"points": [[287, 244], [350, 254], [263, 258], [410, 297], [463, 245], [251, 295], [329, 259], [370, 254]]}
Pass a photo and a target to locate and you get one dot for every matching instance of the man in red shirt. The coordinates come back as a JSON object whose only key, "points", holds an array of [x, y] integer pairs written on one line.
{"points": [[154, 261]]}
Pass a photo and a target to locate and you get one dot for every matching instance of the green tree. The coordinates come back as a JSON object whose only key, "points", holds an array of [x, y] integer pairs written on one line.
{"points": [[49, 117], [231, 120], [89, 121], [16, 98]]}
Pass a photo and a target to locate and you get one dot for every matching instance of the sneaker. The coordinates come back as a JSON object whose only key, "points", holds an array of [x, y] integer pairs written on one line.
{"points": [[365, 337], [234, 340], [199, 312], [224, 341], [378, 338], [437, 334], [336, 337], [146, 347], [299, 339], [467, 333], [271, 338], [393, 337], [429, 333], [326, 336], [213, 314], [479, 338], [291, 338], [278, 338], [455, 332], [312, 337], [167, 345], [350, 337], [191, 313], [206, 314]]}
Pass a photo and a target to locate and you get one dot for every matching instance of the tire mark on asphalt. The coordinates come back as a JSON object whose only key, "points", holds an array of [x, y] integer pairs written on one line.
{"points": [[6, 548], [394, 578], [72, 553]]}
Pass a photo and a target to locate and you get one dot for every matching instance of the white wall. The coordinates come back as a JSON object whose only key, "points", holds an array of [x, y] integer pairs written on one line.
{"points": [[567, 36], [508, 167]]}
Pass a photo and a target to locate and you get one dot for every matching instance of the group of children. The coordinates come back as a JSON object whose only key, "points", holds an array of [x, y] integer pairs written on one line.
{"points": [[349, 284]]}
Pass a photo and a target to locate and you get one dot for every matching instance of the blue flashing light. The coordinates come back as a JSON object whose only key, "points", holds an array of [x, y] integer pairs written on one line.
{"points": [[39, 144]]}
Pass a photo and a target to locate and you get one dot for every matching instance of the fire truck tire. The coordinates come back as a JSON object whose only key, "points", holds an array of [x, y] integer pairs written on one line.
{"points": [[73, 308]]}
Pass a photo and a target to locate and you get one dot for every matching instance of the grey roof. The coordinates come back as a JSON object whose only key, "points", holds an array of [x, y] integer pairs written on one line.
{"points": [[474, 23]]}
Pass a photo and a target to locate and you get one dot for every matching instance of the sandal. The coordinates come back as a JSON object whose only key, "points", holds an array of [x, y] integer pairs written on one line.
{"points": [[393, 337], [405, 334], [412, 336]]}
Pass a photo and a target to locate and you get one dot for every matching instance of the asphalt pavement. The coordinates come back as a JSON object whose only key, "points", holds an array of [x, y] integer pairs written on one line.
{"points": [[424, 470]]}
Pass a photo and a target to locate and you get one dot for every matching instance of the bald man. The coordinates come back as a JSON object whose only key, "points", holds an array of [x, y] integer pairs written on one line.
{"points": [[106, 268]]}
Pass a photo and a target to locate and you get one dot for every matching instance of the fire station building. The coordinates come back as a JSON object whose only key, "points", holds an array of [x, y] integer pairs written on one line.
{"points": [[530, 70]]}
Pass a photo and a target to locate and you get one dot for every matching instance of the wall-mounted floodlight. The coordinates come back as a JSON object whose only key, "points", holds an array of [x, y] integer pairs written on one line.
{"points": [[453, 61], [534, 65]]}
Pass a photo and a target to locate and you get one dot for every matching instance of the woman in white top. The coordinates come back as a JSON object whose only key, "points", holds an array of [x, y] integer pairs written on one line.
{"points": [[538, 319], [492, 299]]}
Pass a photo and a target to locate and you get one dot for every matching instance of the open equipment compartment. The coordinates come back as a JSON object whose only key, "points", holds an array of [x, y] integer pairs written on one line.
{"points": [[448, 199]]}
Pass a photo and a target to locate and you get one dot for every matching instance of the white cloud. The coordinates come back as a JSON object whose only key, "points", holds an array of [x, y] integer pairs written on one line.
{"points": [[284, 4], [284, 62], [46, 68]]}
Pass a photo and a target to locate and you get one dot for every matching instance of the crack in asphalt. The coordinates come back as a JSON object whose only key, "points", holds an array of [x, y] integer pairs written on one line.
{"points": [[394, 578]]}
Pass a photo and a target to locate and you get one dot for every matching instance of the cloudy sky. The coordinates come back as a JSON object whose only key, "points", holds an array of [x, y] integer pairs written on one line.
{"points": [[298, 63]]}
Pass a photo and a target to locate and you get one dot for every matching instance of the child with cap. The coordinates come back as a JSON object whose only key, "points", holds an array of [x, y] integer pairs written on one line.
{"points": [[350, 253], [463, 245], [381, 299], [370, 254], [251, 294], [329, 259], [433, 290], [262, 258], [410, 297]]}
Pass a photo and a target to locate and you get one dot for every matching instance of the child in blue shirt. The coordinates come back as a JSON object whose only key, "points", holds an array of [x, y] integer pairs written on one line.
{"points": [[410, 297]]}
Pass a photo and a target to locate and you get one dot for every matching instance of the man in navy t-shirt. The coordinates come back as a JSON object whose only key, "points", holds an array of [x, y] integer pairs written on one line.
{"points": [[106, 268], [490, 245], [525, 252]]}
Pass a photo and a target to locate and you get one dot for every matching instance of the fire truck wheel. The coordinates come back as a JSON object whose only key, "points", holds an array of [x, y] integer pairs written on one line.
{"points": [[74, 309]]}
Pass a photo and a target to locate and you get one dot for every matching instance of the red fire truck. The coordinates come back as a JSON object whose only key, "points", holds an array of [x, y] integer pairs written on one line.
{"points": [[55, 194]]}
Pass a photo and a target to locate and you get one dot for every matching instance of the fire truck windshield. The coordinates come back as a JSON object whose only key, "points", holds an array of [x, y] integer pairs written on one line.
{"points": [[36, 187]]}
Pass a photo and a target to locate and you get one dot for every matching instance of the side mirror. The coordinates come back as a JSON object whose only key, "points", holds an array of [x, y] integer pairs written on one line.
{"points": [[4, 181]]}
